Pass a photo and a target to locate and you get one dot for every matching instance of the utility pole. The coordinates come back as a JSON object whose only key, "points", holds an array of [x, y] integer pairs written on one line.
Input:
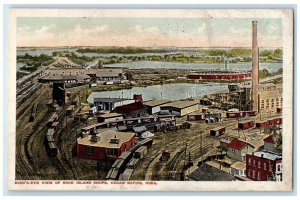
{"points": [[201, 147]]}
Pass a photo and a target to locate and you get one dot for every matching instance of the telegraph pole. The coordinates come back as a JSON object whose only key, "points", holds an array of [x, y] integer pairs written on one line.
{"points": [[201, 147]]}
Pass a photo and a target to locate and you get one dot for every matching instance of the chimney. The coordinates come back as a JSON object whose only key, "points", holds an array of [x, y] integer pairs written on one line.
{"points": [[254, 67]]}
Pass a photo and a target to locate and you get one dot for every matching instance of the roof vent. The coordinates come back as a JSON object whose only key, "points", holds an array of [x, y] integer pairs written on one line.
{"points": [[115, 140], [262, 155], [95, 138]]}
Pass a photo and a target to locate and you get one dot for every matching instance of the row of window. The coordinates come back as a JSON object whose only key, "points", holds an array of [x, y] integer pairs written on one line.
{"points": [[258, 163], [253, 174], [272, 103], [109, 152]]}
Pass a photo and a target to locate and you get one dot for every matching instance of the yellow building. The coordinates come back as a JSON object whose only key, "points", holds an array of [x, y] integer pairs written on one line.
{"points": [[270, 98], [179, 108]]}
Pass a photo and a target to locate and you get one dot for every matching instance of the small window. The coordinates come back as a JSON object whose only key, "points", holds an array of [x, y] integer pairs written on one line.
{"points": [[265, 166], [277, 102], [258, 175], [254, 163], [249, 173], [253, 174], [278, 168], [249, 161], [89, 150], [258, 164], [267, 104], [272, 103], [111, 152]]}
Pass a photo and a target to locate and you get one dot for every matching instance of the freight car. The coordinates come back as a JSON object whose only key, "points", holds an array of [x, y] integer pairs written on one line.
{"points": [[51, 149], [275, 121], [140, 152], [52, 119], [246, 124], [125, 176], [217, 131], [262, 124], [248, 113], [233, 114]]}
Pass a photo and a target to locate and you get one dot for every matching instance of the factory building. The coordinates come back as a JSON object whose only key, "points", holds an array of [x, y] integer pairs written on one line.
{"points": [[108, 104], [179, 108], [108, 145], [153, 106], [132, 110]]}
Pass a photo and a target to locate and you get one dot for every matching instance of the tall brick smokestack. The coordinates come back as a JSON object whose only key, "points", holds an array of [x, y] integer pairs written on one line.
{"points": [[254, 67]]}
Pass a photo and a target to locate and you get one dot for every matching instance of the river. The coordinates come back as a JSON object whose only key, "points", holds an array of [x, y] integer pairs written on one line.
{"points": [[168, 91]]}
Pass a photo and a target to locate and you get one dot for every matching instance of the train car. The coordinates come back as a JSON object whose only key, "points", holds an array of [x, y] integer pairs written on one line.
{"points": [[140, 152], [146, 142], [50, 138], [70, 110], [248, 113], [233, 114], [246, 124], [133, 163], [50, 132], [113, 174], [275, 121], [279, 110], [217, 131], [55, 126], [52, 119], [262, 124], [126, 175], [52, 149], [126, 156]]}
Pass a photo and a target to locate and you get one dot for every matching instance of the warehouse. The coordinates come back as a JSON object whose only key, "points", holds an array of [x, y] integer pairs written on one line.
{"points": [[108, 145], [109, 117], [179, 108], [219, 76], [109, 104], [132, 110], [153, 106]]}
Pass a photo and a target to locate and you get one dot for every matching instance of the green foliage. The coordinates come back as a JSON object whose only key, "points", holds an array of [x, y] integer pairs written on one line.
{"points": [[121, 50], [20, 74], [264, 73]]}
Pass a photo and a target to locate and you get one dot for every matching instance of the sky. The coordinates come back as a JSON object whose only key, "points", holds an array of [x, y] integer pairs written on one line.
{"points": [[146, 32]]}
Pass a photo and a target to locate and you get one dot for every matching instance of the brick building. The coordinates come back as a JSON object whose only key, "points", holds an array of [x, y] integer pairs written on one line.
{"points": [[264, 166]]}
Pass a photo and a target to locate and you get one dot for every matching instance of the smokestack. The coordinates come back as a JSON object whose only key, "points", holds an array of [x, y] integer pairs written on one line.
{"points": [[254, 67]]}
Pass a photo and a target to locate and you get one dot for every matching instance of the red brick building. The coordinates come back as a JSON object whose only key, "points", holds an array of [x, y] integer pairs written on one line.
{"points": [[264, 166], [108, 145]]}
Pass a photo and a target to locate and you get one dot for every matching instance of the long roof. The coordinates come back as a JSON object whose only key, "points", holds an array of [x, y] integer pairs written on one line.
{"points": [[209, 173], [132, 107], [109, 115], [158, 102], [268, 155], [238, 144], [104, 139], [180, 104]]}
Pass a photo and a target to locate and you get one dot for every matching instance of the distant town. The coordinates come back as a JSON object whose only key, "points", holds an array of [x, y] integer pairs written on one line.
{"points": [[163, 114]]}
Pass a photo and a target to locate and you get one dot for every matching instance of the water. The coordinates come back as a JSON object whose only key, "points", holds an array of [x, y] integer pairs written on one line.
{"points": [[272, 67], [168, 91]]}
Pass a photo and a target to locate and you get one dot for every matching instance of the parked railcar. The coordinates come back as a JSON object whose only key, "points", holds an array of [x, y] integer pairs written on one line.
{"points": [[262, 124], [133, 163], [248, 113], [217, 131], [113, 174], [246, 124], [50, 132], [55, 126], [52, 149], [275, 121], [146, 142], [52, 119], [126, 175], [233, 114], [140, 152]]}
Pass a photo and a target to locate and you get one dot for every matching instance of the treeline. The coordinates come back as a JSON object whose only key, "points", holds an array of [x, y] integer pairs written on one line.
{"points": [[32, 63], [264, 73], [122, 50]]}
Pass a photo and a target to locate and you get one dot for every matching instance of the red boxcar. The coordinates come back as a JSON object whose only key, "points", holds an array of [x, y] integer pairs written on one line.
{"points": [[248, 113], [233, 114], [246, 124], [262, 124], [217, 131], [275, 121]]}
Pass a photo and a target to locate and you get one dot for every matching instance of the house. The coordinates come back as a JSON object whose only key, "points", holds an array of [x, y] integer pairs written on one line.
{"points": [[238, 149], [207, 172], [224, 143], [264, 166], [108, 145], [109, 104], [109, 117], [153, 106], [238, 169], [132, 110], [179, 108]]}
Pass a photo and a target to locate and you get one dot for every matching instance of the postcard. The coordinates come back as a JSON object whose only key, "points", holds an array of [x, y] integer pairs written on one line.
{"points": [[150, 99]]}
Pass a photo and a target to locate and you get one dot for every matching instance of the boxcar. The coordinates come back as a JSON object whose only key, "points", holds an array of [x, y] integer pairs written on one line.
{"points": [[52, 119], [248, 113], [133, 163], [275, 121], [246, 124], [52, 149], [55, 126], [262, 124], [70, 110], [50, 132], [146, 142], [140, 152], [217, 131], [113, 174], [50, 138], [233, 114]]}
